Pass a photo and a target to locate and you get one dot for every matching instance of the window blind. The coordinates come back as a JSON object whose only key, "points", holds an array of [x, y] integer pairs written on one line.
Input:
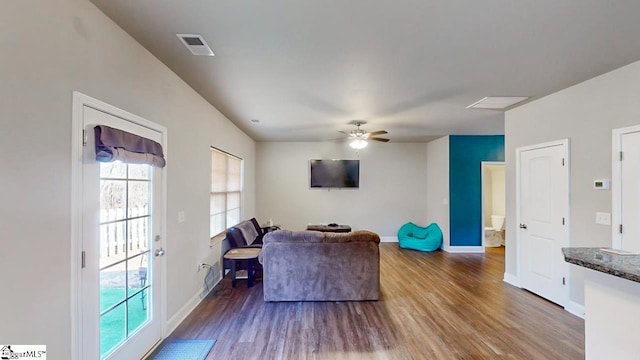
{"points": [[226, 191]]}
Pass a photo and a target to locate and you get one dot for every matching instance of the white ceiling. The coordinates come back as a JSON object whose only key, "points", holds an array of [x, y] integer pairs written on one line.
{"points": [[307, 68]]}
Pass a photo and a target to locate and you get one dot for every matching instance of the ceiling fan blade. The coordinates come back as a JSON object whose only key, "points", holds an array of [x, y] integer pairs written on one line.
{"points": [[378, 139], [379, 132]]}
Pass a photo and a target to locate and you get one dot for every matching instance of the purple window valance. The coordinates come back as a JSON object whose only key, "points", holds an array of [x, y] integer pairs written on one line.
{"points": [[114, 144]]}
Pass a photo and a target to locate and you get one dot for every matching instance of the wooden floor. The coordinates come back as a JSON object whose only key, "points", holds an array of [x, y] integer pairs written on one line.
{"points": [[433, 306]]}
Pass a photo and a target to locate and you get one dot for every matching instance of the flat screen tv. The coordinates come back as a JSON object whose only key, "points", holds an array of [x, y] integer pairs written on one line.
{"points": [[335, 173]]}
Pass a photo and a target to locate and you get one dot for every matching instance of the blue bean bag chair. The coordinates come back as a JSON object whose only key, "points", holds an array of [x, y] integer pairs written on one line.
{"points": [[412, 236]]}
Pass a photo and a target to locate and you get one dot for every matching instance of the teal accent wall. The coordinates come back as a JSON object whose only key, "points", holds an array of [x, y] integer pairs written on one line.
{"points": [[465, 188]]}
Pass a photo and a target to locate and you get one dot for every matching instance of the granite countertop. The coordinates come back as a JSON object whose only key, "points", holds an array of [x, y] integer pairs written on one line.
{"points": [[624, 266]]}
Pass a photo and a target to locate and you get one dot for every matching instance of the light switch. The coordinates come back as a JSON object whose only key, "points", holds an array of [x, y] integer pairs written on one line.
{"points": [[181, 216], [603, 218]]}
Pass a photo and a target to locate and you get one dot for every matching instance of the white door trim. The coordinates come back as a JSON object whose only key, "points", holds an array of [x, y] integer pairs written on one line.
{"points": [[79, 102], [482, 214], [616, 183], [567, 228]]}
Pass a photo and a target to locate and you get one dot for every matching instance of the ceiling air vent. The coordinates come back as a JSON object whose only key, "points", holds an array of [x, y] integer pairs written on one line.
{"points": [[195, 44], [497, 102]]}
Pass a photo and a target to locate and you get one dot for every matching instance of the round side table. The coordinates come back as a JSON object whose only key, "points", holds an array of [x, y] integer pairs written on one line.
{"points": [[245, 258]]}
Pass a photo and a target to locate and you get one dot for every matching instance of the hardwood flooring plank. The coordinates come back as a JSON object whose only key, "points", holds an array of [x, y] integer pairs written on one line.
{"points": [[432, 306]]}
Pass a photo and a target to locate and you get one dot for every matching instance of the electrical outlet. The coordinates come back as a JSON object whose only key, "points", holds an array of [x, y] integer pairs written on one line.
{"points": [[603, 218]]}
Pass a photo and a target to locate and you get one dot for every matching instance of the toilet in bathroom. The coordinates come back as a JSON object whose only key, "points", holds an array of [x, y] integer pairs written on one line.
{"points": [[493, 234]]}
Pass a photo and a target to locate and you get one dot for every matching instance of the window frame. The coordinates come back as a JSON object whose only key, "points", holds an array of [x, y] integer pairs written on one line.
{"points": [[225, 192]]}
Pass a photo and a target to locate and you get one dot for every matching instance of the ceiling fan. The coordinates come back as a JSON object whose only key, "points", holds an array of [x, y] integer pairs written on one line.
{"points": [[360, 137]]}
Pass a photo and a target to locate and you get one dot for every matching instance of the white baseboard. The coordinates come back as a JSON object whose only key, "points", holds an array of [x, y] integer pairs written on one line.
{"points": [[576, 309], [463, 249], [388, 239], [185, 310], [511, 279]]}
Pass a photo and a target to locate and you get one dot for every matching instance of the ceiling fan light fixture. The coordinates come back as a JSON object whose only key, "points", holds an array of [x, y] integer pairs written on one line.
{"points": [[358, 144]]}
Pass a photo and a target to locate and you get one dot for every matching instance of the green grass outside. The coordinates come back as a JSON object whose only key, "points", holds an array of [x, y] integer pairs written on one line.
{"points": [[112, 324]]}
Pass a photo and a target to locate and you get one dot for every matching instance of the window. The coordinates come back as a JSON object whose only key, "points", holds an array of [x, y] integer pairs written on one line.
{"points": [[226, 191], [126, 215]]}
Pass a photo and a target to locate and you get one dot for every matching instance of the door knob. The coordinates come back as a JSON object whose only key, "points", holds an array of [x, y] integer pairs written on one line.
{"points": [[159, 252], [523, 226]]}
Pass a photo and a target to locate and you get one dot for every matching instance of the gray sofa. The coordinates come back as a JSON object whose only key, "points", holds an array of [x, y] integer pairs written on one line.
{"points": [[316, 266]]}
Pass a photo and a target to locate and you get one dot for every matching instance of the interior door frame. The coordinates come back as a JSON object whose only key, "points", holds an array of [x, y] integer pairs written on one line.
{"points": [[79, 102], [565, 143], [616, 182], [483, 164]]}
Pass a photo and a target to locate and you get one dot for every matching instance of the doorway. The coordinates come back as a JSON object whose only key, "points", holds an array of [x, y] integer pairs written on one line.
{"points": [[119, 212], [493, 204], [542, 215]]}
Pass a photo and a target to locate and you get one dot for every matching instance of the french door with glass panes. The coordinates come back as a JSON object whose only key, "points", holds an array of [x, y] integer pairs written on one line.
{"points": [[121, 277]]}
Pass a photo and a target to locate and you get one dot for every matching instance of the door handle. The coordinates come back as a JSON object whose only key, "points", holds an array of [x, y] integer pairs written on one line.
{"points": [[523, 226], [159, 252]]}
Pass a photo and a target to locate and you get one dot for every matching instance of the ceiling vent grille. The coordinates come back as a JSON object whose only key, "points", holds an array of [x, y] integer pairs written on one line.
{"points": [[497, 102], [196, 44]]}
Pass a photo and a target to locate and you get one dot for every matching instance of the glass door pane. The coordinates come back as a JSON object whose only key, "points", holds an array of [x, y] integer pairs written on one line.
{"points": [[125, 238]]}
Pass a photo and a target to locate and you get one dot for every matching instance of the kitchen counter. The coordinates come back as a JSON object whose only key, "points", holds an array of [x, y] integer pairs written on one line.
{"points": [[612, 302], [624, 266]]}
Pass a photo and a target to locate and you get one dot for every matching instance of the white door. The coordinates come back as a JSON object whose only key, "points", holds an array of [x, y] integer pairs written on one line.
{"points": [[627, 230], [543, 220], [121, 221]]}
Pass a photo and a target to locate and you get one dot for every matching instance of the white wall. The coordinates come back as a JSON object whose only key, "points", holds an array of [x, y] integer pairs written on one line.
{"points": [[487, 195], [438, 185], [393, 186], [49, 49], [585, 113], [498, 191], [493, 192]]}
